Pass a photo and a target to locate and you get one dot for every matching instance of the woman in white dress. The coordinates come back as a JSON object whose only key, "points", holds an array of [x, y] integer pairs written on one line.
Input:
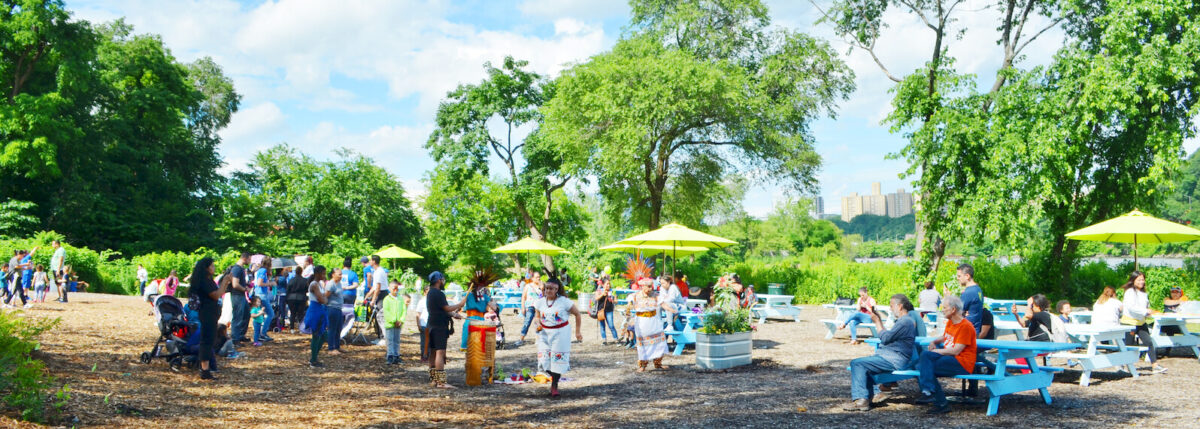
{"points": [[651, 341], [553, 337]]}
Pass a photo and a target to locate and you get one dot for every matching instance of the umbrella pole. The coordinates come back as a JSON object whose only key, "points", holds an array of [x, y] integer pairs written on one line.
{"points": [[1135, 259]]}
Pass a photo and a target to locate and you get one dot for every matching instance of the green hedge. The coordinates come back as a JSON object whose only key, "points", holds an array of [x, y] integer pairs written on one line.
{"points": [[25, 385]]}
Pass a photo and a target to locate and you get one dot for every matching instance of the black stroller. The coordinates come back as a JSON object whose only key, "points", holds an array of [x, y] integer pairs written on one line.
{"points": [[174, 332]]}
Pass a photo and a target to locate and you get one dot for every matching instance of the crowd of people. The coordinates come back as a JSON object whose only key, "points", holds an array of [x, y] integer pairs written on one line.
{"points": [[967, 320], [32, 283]]}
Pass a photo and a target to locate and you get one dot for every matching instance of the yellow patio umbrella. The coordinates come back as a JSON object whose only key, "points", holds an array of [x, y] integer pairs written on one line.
{"points": [[654, 250], [676, 236], [1136, 227], [530, 245], [393, 252]]}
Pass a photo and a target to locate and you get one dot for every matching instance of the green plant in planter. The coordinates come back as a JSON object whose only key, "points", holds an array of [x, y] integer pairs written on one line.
{"points": [[727, 317]]}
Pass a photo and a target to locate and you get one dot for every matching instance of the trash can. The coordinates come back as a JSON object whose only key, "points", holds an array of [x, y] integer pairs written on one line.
{"points": [[774, 289]]}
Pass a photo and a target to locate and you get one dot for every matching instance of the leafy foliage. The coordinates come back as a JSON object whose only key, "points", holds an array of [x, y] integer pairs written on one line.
{"points": [[24, 382], [875, 227]]}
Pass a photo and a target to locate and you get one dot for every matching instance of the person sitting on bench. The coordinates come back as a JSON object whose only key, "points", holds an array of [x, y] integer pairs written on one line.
{"points": [[866, 311], [895, 352], [951, 355]]}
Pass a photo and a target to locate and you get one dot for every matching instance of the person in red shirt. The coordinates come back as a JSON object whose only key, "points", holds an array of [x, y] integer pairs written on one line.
{"points": [[951, 355], [683, 286]]}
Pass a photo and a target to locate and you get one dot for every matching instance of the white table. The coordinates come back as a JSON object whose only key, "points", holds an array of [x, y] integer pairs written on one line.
{"points": [[1183, 339], [1007, 327], [779, 306], [1081, 317], [1099, 356], [842, 313]]}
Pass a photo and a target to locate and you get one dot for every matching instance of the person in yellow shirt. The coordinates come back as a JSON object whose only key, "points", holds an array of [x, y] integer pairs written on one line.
{"points": [[394, 309]]}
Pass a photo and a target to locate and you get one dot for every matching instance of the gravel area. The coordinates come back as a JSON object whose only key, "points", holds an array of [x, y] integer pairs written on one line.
{"points": [[798, 379]]}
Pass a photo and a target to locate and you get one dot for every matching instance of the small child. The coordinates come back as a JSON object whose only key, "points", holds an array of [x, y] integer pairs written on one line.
{"points": [[260, 316], [627, 336], [491, 316], [40, 284], [393, 320]]}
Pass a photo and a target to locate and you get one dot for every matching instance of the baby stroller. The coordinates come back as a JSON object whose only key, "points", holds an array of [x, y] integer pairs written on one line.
{"points": [[499, 329], [174, 331]]}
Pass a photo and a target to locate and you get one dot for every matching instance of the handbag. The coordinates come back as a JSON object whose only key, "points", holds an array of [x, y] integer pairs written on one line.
{"points": [[1126, 320]]}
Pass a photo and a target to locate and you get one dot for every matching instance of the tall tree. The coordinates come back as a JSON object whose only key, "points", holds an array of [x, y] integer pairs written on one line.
{"points": [[464, 138], [696, 91]]}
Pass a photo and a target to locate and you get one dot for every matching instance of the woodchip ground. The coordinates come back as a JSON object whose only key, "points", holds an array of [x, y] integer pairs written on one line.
{"points": [[798, 379]]}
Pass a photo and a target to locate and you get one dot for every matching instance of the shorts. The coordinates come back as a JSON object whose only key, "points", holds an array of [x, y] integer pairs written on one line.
{"points": [[438, 337]]}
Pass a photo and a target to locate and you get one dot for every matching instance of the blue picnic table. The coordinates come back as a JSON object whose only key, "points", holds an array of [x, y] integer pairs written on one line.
{"points": [[507, 298], [687, 335], [1001, 382], [622, 295]]}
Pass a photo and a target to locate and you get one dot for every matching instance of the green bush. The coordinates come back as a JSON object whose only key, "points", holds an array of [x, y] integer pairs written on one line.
{"points": [[23, 380]]}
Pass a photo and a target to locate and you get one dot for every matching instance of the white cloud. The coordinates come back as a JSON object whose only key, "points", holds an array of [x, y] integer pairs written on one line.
{"points": [[594, 9]]}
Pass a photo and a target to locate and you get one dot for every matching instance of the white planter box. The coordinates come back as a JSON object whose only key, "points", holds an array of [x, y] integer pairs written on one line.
{"points": [[723, 351]]}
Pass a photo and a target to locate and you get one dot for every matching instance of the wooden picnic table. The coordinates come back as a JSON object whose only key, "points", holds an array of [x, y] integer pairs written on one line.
{"points": [[1003, 383], [1184, 339], [776, 306], [1098, 355]]}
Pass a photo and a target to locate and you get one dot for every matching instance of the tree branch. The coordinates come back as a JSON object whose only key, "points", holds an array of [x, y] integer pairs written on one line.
{"points": [[1053, 24], [853, 42]]}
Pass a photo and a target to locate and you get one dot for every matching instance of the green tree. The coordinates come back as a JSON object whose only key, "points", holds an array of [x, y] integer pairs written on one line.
{"points": [[682, 102], [469, 215]]}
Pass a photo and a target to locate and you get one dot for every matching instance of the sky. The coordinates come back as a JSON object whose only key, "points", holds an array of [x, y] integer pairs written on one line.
{"points": [[368, 75]]}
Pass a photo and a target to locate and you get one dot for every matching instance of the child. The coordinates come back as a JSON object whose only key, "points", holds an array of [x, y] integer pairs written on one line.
{"points": [[393, 319], [1064, 311], [491, 316], [627, 336], [260, 316], [40, 285]]}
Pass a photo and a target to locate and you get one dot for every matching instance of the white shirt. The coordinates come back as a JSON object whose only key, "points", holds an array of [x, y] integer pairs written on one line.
{"points": [[379, 276], [312, 297], [56, 261], [422, 312], [1107, 314], [142, 275], [928, 300], [1136, 303]]}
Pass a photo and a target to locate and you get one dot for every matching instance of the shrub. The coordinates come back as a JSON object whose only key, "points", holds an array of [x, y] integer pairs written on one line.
{"points": [[23, 379]]}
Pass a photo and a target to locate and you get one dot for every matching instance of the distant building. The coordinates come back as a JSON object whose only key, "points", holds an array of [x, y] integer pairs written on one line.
{"points": [[818, 208], [891, 205]]}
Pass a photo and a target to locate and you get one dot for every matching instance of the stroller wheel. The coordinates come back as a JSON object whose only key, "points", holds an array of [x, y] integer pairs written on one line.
{"points": [[176, 363], [146, 357]]}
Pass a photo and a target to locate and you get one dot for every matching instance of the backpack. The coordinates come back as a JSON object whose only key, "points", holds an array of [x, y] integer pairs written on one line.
{"points": [[1058, 330], [597, 304]]}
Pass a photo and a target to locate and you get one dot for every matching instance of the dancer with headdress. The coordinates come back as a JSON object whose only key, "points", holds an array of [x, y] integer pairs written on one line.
{"points": [[479, 334]]}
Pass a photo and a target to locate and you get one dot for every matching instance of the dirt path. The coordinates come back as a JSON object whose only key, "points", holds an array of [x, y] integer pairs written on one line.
{"points": [[798, 379]]}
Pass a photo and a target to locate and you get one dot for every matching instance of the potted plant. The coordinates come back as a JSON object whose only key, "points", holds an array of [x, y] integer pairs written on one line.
{"points": [[726, 340]]}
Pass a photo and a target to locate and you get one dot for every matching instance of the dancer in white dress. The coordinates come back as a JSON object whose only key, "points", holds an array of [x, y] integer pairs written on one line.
{"points": [[553, 337], [651, 341]]}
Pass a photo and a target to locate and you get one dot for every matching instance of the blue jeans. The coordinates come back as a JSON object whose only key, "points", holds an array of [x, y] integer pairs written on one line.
{"points": [[258, 332], [853, 322], [608, 320], [932, 366], [424, 331], [334, 327], [241, 316], [393, 342], [268, 305], [530, 313], [861, 372]]}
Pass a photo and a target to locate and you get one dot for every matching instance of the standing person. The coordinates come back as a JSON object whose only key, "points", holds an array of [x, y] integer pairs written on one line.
{"points": [[895, 352], [11, 274], [57, 262], [237, 297], [258, 315], [554, 339], [379, 286], [604, 309], [315, 318], [333, 311], [531, 292], [1137, 313], [350, 284], [40, 285], [264, 290], [19, 284], [142, 278], [393, 318], [366, 278], [651, 342], [422, 315], [972, 295], [866, 309], [440, 313], [297, 298], [951, 355], [478, 301], [207, 293], [929, 299], [171, 284]]}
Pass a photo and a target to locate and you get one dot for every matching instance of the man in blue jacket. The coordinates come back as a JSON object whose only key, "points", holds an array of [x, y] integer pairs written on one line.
{"points": [[895, 352]]}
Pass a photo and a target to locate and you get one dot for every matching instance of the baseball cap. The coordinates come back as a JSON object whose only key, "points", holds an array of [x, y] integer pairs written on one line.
{"points": [[364, 260], [435, 276]]}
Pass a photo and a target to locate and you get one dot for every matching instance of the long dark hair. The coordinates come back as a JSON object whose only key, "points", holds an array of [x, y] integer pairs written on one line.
{"points": [[1132, 276], [200, 276]]}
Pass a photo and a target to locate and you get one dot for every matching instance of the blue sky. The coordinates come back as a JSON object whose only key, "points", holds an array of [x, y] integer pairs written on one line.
{"points": [[367, 75]]}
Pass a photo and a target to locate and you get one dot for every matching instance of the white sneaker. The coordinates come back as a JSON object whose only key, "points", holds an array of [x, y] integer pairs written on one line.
{"points": [[29, 305]]}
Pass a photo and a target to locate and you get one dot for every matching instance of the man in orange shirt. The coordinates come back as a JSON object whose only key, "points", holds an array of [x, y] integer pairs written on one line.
{"points": [[951, 355]]}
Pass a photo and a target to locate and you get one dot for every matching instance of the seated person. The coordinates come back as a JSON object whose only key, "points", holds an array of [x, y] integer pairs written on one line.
{"points": [[952, 354], [1171, 305], [1064, 311], [866, 311], [895, 352], [1037, 319]]}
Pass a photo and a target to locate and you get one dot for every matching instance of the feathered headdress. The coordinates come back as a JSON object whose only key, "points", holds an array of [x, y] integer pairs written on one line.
{"points": [[637, 269], [483, 277]]}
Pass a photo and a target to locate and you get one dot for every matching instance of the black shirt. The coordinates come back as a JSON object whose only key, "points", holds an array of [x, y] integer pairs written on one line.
{"points": [[435, 303], [238, 273], [202, 291], [989, 321], [1039, 326]]}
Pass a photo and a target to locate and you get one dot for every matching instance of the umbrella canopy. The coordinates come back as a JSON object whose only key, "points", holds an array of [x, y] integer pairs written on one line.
{"points": [[282, 262], [1136, 227], [530, 245], [676, 235], [654, 250], [393, 252]]}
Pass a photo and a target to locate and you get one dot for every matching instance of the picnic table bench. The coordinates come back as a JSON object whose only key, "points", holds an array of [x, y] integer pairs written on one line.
{"points": [[688, 334], [778, 306], [622, 295], [842, 313], [1098, 355], [507, 298], [1184, 339], [1001, 382]]}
